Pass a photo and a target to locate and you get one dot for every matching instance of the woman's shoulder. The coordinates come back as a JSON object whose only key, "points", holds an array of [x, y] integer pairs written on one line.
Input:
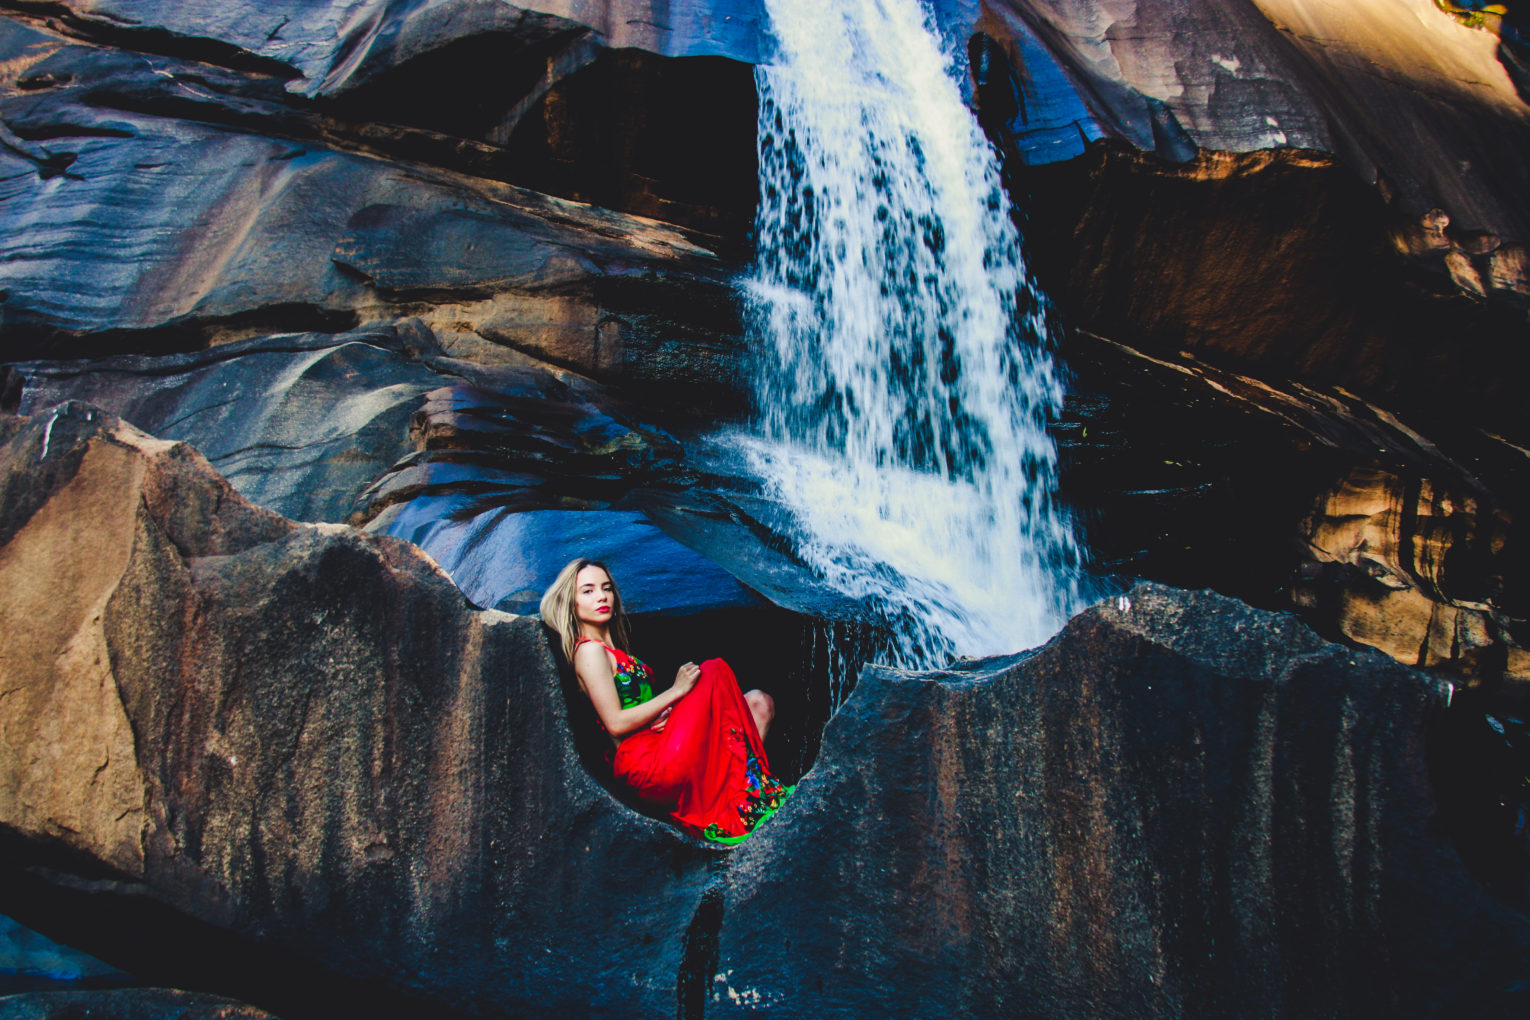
{"points": [[591, 649]]}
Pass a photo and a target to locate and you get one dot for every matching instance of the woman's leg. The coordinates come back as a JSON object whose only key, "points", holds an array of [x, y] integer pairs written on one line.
{"points": [[663, 765], [763, 707]]}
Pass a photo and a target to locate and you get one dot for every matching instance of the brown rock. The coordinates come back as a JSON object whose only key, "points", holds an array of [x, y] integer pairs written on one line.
{"points": [[1279, 265], [1395, 91], [1429, 580], [1509, 269], [1434, 223], [67, 747], [1461, 270], [1476, 242]]}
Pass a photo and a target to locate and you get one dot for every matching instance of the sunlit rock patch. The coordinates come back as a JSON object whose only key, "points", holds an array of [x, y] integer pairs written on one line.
{"points": [[1432, 576]]}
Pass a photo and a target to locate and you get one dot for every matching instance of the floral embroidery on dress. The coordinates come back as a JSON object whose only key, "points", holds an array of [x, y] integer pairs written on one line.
{"points": [[766, 793], [763, 796], [634, 681]]}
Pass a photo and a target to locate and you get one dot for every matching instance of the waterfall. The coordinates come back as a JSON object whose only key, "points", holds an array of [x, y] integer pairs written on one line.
{"points": [[905, 379]]}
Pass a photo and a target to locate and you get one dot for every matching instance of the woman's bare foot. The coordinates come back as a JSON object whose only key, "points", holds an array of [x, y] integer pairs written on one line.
{"points": [[763, 707]]}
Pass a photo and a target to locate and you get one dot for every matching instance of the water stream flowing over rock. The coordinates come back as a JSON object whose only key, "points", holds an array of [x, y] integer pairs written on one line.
{"points": [[906, 379]]}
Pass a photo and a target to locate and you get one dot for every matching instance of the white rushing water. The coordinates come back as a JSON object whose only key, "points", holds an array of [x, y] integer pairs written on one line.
{"points": [[906, 381]]}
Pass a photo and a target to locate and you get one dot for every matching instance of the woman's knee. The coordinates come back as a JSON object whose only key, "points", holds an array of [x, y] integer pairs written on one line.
{"points": [[762, 706]]}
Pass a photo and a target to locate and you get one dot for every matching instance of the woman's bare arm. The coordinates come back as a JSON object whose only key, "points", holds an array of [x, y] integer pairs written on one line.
{"points": [[592, 665]]}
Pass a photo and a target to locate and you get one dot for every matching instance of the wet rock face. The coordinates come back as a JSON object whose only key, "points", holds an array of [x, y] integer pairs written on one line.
{"points": [[286, 419], [170, 234], [349, 426], [1180, 805], [154, 202], [333, 44]]}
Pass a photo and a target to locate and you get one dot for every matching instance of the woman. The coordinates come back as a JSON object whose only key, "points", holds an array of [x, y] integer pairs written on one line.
{"points": [[697, 750]]}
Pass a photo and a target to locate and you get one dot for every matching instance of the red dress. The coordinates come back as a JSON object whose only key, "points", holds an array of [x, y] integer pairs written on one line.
{"points": [[707, 768]]}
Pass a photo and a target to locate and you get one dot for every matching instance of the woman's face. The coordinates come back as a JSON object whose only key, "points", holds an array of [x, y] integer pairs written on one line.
{"points": [[594, 597]]}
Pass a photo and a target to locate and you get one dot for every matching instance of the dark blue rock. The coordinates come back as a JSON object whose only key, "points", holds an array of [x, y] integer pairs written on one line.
{"points": [[506, 560], [302, 424], [32, 962]]}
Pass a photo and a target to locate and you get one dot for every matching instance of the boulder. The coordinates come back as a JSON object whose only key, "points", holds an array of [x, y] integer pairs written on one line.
{"points": [[305, 735], [302, 736], [1177, 807]]}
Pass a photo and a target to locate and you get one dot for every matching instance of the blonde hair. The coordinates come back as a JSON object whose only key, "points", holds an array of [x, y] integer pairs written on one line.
{"points": [[558, 607]]}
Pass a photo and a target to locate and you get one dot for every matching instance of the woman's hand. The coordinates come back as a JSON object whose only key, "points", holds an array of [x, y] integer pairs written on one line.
{"points": [[686, 678], [685, 682]]}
